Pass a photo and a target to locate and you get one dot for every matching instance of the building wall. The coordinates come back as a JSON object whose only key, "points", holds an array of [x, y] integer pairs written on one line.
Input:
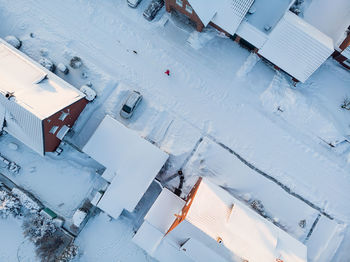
{"points": [[172, 5], [22, 124], [337, 54], [71, 114], [186, 208]]}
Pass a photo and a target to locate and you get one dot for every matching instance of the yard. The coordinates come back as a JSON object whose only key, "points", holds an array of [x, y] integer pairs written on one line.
{"points": [[216, 91]]}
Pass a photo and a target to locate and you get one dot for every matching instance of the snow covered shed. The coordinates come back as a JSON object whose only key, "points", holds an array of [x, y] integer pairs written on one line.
{"points": [[297, 47], [131, 164], [36, 106], [225, 15], [211, 225]]}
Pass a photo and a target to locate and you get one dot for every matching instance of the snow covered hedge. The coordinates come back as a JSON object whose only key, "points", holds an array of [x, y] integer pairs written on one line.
{"points": [[9, 204]]}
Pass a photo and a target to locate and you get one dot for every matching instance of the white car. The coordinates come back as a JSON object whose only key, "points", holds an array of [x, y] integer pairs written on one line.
{"points": [[130, 104], [133, 3]]}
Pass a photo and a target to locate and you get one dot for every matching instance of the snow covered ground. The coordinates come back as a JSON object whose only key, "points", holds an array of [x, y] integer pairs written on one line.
{"points": [[216, 89], [47, 177], [13, 245], [104, 239]]}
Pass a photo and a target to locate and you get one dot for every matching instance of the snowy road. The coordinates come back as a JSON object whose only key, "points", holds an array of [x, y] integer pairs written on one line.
{"points": [[202, 90]]}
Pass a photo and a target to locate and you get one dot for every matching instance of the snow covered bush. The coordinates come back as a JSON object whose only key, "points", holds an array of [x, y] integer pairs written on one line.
{"points": [[25, 200], [48, 64], [45, 235], [38, 227], [76, 62], [62, 68], [258, 206], [14, 41], [9, 204], [346, 104], [68, 254], [47, 247]]}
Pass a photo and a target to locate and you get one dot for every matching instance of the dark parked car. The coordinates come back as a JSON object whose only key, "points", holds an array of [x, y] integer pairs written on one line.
{"points": [[153, 8]]}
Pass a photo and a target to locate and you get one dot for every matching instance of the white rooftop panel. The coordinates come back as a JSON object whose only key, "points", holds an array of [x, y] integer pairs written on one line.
{"points": [[230, 14], [162, 213], [148, 237], [267, 13], [297, 47], [135, 161], [251, 34], [36, 89]]}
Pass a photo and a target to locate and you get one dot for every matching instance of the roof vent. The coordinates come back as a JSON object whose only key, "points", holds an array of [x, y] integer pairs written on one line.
{"points": [[8, 95], [219, 240]]}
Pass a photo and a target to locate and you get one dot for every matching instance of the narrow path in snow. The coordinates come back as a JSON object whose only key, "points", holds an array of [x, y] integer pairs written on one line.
{"points": [[283, 186]]}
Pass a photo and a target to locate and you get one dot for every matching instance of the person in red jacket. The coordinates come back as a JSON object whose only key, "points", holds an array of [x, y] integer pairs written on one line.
{"points": [[167, 72]]}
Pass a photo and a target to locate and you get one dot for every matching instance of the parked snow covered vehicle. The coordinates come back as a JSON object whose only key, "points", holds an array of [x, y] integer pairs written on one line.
{"points": [[152, 10]]}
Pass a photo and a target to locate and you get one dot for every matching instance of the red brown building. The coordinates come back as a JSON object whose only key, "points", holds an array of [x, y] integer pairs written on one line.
{"points": [[342, 54], [36, 106]]}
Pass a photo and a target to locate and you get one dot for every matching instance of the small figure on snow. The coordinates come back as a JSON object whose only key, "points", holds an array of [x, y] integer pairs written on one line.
{"points": [[167, 72]]}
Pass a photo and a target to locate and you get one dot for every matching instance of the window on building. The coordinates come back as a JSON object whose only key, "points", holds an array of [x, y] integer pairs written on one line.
{"points": [[179, 3], [63, 131], [53, 129], [189, 9], [63, 116], [347, 62]]}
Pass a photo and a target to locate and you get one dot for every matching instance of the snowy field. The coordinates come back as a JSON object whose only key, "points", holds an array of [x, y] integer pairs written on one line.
{"points": [[217, 94]]}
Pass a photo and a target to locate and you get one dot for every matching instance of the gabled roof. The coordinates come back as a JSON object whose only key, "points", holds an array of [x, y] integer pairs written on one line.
{"points": [[297, 47], [134, 160], [248, 235], [34, 88], [227, 14]]}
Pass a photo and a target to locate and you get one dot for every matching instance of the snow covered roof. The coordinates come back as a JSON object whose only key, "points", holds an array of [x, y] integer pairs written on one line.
{"points": [[158, 220], [135, 161], [330, 17], [227, 14], [162, 213], [297, 47], [252, 34], [266, 13], [34, 88], [248, 235]]}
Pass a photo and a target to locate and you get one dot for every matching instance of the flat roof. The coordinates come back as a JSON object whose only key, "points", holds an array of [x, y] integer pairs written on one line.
{"points": [[35, 88], [163, 211], [267, 13], [135, 161]]}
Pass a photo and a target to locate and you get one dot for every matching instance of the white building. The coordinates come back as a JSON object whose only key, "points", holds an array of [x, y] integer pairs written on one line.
{"points": [[131, 164], [211, 225], [297, 47], [36, 106]]}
